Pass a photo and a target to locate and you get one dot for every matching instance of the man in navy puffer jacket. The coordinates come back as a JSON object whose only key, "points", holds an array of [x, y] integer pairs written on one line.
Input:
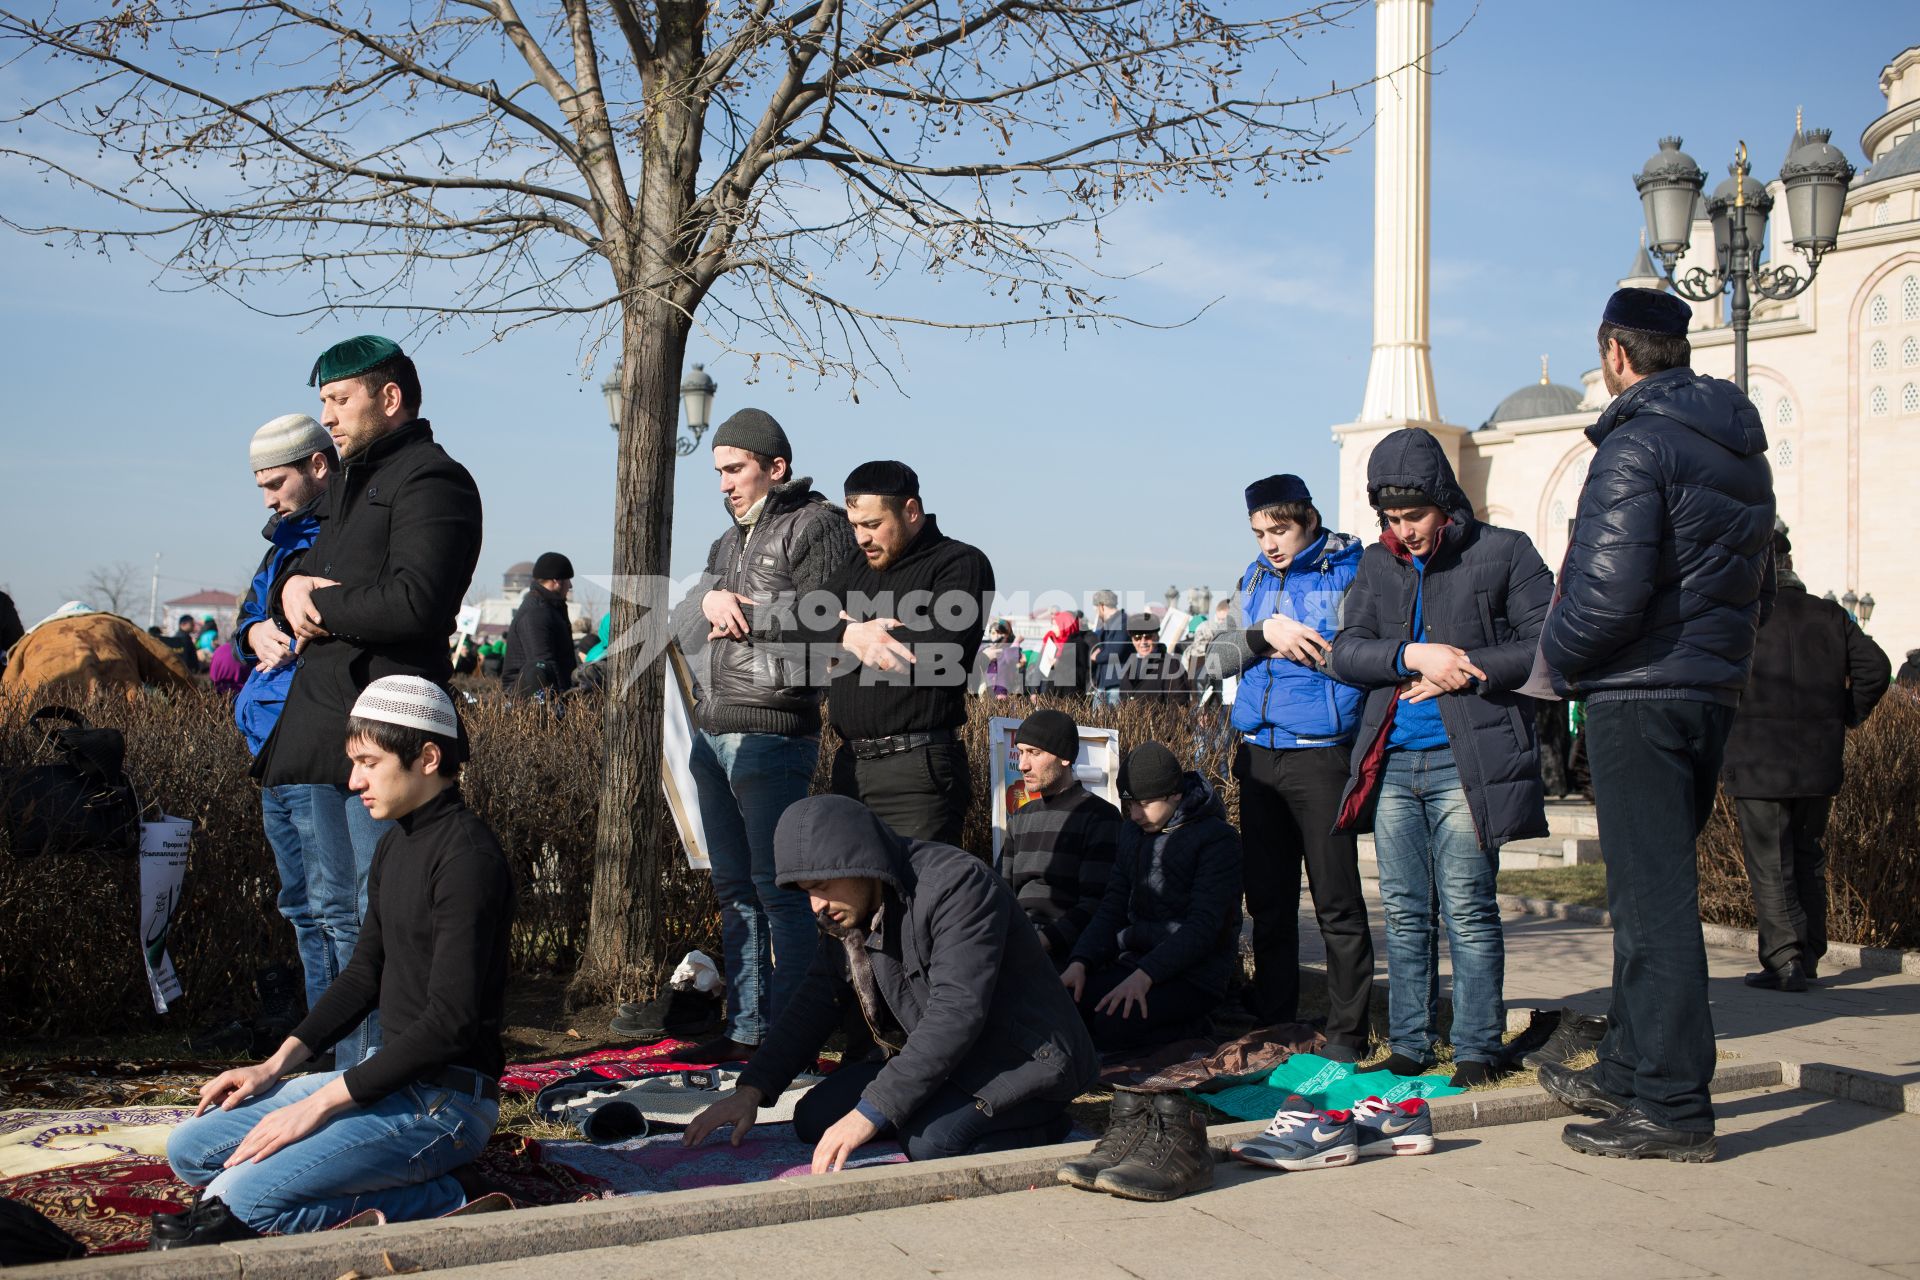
{"points": [[1668, 578], [1294, 723]]}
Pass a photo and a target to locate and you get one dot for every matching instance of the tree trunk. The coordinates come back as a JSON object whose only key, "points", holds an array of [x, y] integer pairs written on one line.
{"points": [[625, 946]]}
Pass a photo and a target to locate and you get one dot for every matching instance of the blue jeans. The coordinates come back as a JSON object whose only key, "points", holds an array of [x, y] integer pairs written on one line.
{"points": [[1432, 865], [1106, 697], [394, 1156], [287, 814], [768, 934], [1656, 766], [951, 1122], [345, 837]]}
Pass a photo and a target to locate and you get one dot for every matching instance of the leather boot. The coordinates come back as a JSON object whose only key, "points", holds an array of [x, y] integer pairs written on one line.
{"points": [[1126, 1123], [1170, 1159], [208, 1222]]}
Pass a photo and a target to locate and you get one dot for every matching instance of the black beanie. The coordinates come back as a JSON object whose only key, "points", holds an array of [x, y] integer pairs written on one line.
{"points": [[552, 564], [1053, 732], [884, 479], [1648, 311], [1276, 491], [1150, 771], [755, 431]]}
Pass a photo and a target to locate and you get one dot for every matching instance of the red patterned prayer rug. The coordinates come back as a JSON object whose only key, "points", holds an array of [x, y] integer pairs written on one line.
{"points": [[104, 1205], [614, 1064]]}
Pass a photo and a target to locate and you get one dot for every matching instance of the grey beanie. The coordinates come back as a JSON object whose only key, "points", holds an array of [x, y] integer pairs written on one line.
{"points": [[755, 431], [290, 438]]}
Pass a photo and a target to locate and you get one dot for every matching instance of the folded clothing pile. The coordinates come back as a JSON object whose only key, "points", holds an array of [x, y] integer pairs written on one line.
{"points": [[1324, 1085]]}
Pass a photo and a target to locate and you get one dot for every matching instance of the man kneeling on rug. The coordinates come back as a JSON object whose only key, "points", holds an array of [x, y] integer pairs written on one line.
{"points": [[984, 1050], [432, 958]]}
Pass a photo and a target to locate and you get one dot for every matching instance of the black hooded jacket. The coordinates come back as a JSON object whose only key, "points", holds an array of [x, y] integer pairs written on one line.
{"points": [[1670, 571], [1486, 592], [540, 651], [1172, 906], [953, 958]]}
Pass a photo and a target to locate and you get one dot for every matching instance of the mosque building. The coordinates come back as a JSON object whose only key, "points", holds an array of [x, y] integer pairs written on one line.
{"points": [[1835, 372]]}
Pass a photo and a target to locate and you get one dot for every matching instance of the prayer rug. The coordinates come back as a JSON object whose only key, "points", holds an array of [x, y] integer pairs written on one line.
{"points": [[32, 1141], [104, 1205], [99, 1082], [1326, 1086], [519, 1168], [648, 1166], [611, 1064]]}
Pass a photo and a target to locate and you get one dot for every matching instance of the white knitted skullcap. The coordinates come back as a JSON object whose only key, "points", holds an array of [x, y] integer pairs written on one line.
{"points": [[289, 438], [410, 701]]}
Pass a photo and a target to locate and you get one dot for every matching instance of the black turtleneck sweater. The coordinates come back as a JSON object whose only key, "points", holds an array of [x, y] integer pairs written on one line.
{"points": [[432, 955], [940, 590]]}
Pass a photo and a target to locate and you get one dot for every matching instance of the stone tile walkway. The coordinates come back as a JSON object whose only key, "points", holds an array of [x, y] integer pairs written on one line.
{"points": [[1804, 1186]]}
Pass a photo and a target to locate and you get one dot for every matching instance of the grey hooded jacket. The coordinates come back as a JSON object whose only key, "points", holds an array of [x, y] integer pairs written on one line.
{"points": [[953, 959], [1487, 592]]}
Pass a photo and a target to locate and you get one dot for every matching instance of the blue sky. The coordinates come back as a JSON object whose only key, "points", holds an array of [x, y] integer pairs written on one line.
{"points": [[1114, 460]]}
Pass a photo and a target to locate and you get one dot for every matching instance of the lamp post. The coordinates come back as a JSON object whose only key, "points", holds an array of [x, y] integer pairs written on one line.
{"points": [[696, 396], [1816, 176]]}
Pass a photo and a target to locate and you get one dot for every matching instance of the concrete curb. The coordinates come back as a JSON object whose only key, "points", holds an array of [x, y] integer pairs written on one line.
{"points": [[1845, 955], [532, 1233]]}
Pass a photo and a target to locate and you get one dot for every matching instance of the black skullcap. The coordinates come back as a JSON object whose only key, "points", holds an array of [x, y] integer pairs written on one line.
{"points": [[1053, 732], [1276, 491], [1648, 311], [755, 431], [1149, 772], [1393, 497], [552, 564], [884, 479], [351, 358]]}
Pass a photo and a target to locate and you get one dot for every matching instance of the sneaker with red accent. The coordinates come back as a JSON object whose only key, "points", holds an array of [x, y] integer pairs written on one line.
{"points": [[1403, 1128], [1301, 1138]]}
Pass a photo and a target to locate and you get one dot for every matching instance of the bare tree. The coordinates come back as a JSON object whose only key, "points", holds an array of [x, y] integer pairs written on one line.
{"points": [[111, 588], [764, 172]]}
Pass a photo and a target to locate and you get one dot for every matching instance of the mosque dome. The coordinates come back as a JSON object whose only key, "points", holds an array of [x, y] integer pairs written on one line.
{"points": [[518, 577], [1542, 399]]}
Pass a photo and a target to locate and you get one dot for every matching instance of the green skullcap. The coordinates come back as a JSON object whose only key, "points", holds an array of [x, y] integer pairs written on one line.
{"points": [[351, 358]]}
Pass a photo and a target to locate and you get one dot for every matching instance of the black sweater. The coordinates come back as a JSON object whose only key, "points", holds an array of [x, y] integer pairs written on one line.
{"points": [[432, 955], [939, 589], [1057, 856]]}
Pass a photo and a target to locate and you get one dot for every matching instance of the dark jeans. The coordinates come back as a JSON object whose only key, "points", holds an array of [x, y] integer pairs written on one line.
{"points": [[1176, 1010], [1787, 866], [1288, 802], [767, 934], [1656, 766], [950, 1123], [922, 794]]}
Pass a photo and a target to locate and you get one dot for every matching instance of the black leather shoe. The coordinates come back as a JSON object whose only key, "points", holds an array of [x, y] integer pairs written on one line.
{"points": [[1127, 1122], [1632, 1136], [1573, 1035], [1788, 977], [208, 1222], [1576, 1089]]}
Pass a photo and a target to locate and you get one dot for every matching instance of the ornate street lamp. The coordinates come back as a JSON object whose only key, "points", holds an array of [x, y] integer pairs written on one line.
{"points": [[696, 396], [1866, 608], [1851, 603], [1816, 176]]}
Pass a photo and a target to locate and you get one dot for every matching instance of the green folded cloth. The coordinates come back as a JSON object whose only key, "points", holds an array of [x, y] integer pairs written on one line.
{"points": [[1326, 1086]]}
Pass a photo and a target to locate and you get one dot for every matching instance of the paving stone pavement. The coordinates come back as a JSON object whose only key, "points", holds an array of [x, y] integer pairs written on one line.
{"points": [[1805, 1185], [1856, 1019]]}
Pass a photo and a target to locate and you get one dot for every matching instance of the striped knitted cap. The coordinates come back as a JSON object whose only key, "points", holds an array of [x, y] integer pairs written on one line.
{"points": [[411, 701]]}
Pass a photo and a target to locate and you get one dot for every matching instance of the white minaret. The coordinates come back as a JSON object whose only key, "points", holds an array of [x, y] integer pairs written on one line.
{"points": [[1400, 375], [1400, 378]]}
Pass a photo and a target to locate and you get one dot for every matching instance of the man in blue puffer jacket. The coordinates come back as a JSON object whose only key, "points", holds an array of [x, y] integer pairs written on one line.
{"points": [[293, 460], [1668, 579], [1295, 723]]}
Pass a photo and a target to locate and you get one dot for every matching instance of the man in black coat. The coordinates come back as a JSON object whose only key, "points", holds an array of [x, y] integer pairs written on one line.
{"points": [[540, 655], [1149, 671], [1441, 624], [910, 609], [984, 1050], [1815, 675], [1155, 959], [377, 596], [1668, 576]]}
